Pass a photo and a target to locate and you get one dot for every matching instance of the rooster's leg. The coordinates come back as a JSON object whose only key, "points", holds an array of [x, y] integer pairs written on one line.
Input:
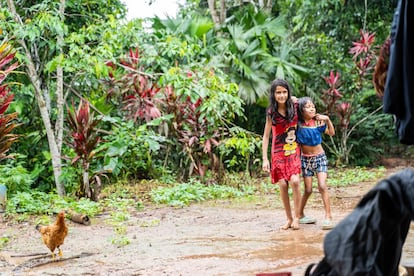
{"points": [[60, 252]]}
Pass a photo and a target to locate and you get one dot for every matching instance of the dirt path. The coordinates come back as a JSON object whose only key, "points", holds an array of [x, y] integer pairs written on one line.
{"points": [[214, 238]]}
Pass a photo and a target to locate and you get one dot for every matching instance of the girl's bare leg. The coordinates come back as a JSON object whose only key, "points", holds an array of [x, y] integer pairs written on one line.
{"points": [[295, 185], [284, 195], [306, 194], [323, 189]]}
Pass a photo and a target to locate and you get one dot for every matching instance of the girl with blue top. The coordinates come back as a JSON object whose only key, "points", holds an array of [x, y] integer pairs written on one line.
{"points": [[311, 126]]}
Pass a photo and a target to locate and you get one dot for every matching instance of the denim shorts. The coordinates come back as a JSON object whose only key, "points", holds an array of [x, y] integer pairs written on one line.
{"points": [[314, 164]]}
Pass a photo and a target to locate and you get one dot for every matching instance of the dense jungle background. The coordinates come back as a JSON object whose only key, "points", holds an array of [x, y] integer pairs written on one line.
{"points": [[93, 104]]}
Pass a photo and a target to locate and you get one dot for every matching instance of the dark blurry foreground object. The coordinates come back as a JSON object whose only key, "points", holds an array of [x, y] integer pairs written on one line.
{"points": [[369, 240], [399, 87]]}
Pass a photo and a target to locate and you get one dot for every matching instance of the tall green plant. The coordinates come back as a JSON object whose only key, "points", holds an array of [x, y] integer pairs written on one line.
{"points": [[344, 105], [132, 152], [190, 103], [239, 150], [63, 46], [253, 52], [204, 105]]}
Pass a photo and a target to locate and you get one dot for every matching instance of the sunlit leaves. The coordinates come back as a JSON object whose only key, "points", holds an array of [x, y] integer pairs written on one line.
{"points": [[253, 52]]}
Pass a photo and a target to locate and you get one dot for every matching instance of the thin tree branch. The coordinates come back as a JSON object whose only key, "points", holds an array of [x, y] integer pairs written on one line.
{"points": [[363, 120], [86, 100]]}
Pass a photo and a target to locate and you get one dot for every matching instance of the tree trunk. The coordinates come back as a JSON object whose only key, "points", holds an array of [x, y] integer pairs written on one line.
{"points": [[218, 16], [268, 6], [213, 12], [223, 11], [85, 179], [59, 85], [44, 112]]}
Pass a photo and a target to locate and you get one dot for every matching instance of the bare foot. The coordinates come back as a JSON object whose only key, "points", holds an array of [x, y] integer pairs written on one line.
{"points": [[295, 224], [286, 226]]}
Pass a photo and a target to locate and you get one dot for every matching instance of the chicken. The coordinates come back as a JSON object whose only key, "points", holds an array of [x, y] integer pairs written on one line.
{"points": [[54, 235]]}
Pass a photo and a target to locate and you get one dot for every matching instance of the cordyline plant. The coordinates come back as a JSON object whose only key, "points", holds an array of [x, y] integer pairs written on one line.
{"points": [[7, 138], [142, 100], [85, 139], [363, 55], [331, 95], [191, 105], [135, 88], [203, 104], [193, 131]]}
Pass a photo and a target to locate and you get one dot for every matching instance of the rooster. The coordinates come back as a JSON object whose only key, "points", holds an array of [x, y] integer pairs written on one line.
{"points": [[54, 235]]}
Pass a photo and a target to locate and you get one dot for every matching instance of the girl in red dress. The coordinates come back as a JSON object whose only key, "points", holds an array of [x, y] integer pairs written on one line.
{"points": [[281, 120]]}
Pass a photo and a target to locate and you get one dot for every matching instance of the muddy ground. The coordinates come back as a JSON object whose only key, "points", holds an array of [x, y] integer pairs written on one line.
{"points": [[212, 238]]}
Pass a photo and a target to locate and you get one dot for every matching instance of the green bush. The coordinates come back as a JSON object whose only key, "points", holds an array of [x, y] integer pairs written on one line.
{"points": [[185, 193], [130, 150], [36, 203], [16, 178]]}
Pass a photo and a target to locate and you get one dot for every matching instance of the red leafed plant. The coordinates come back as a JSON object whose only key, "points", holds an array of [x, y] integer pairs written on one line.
{"points": [[137, 91], [7, 138], [344, 112], [85, 139], [332, 94], [363, 55], [193, 131], [363, 45]]}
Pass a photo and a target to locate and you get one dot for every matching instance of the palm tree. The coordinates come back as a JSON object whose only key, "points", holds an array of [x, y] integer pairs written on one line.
{"points": [[250, 47], [254, 51]]}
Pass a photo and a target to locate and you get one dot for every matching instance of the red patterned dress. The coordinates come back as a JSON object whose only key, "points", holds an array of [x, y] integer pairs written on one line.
{"points": [[285, 149]]}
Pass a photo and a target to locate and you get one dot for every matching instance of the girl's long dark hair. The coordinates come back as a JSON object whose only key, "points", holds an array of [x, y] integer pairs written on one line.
{"points": [[301, 106], [290, 108]]}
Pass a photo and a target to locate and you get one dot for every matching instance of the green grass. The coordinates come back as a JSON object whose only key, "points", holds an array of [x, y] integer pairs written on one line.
{"points": [[344, 177], [4, 240], [184, 194], [123, 198]]}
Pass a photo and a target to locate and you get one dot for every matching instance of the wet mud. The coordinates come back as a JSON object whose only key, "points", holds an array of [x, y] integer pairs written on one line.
{"points": [[213, 238]]}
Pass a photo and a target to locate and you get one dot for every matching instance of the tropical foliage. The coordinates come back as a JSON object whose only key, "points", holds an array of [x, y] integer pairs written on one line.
{"points": [[84, 141], [182, 97], [7, 120]]}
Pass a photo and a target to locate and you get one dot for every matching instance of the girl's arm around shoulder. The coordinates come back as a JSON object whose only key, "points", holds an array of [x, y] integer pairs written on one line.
{"points": [[330, 129]]}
